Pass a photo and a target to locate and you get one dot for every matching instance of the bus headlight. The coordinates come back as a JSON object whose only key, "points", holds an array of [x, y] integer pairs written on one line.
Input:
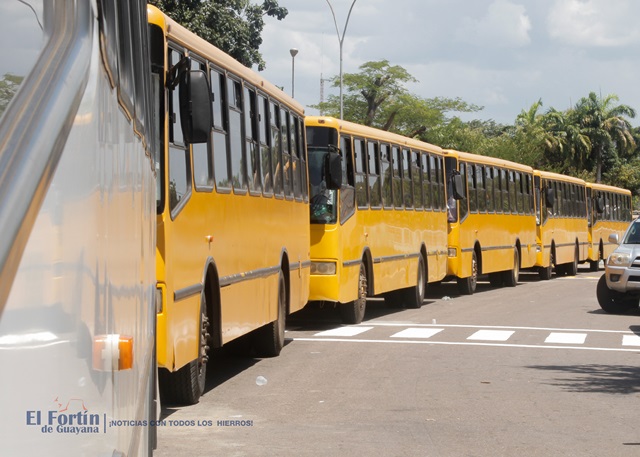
{"points": [[619, 259], [323, 268]]}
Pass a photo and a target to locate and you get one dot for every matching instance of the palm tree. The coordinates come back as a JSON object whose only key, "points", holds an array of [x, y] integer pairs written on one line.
{"points": [[606, 126]]}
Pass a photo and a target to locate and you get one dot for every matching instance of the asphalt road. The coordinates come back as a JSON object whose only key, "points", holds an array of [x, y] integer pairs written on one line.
{"points": [[535, 370]]}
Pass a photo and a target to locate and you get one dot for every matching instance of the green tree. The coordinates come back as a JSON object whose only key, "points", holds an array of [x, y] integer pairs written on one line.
{"points": [[605, 124], [9, 85], [235, 26], [377, 96]]}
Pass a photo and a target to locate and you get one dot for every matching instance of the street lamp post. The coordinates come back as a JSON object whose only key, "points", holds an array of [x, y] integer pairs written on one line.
{"points": [[341, 40], [293, 52]]}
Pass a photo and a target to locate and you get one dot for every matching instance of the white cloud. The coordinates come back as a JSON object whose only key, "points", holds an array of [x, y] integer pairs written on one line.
{"points": [[599, 23], [506, 25]]}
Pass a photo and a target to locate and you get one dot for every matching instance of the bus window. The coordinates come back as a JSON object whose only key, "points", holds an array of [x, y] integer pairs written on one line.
{"points": [[471, 185], [397, 177], [265, 150], [360, 158], [375, 196], [416, 179], [276, 149], [251, 142], [236, 158], [220, 162], [385, 176], [407, 190], [426, 181]]}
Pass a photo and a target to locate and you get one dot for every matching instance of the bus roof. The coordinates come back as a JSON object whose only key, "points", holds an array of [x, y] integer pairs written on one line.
{"points": [[486, 160], [204, 49], [559, 177], [352, 128], [605, 187]]}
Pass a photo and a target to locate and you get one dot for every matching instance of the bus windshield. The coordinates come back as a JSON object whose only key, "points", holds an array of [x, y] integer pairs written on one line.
{"points": [[323, 207]]}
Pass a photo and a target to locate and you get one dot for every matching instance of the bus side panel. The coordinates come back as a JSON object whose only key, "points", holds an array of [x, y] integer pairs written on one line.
{"points": [[87, 271]]}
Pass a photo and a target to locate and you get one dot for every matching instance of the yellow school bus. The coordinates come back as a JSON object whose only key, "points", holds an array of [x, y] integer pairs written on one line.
{"points": [[492, 227], [232, 205], [608, 211], [562, 231], [378, 216]]}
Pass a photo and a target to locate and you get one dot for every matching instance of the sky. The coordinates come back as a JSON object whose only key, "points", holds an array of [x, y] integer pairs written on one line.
{"points": [[503, 55]]}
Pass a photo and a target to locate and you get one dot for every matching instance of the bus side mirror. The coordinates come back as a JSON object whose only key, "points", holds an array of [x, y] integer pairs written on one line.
{"points": [[195, 106], [550, 197], [613, 238], [458, 189], [333, 170]]}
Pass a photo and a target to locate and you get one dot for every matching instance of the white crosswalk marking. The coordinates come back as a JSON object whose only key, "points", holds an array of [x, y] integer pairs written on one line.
{"points": [[566, 338], [630, 340], [417, 332], [344, 331], [491, 335]]}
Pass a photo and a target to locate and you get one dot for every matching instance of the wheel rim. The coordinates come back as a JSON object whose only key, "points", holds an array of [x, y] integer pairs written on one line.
{"points": [[474, 271], [362, 290], [516, 266], [420, 286]]}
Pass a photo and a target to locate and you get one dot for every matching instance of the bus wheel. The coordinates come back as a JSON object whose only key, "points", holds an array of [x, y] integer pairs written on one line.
{"points": [[613, 301], [594, 265], [269, 339], [415, 295], [467, 286], [511, 276], [353, 312], [186, 385], [571, 268], [546, 272]]}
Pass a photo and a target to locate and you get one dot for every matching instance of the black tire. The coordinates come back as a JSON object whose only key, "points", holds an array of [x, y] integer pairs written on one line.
{"points": [[467, 286], [414, 296], [353, 312], [186, 385], [546, 273], [612, 301], [511, 276], [594, 265], [571, 268], [269, 339]]}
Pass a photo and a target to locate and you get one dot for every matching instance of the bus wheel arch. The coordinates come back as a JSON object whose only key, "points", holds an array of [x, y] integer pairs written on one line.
{"points": [[414, 295], [467, 285], [511, 276], [353, 312]]}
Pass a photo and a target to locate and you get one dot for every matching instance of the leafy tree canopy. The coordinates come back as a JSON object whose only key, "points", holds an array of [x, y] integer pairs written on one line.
{"points": [[235, 26], [377, 96], [9, 85]]}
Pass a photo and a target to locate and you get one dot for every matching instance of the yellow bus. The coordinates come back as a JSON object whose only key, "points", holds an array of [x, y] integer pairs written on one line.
{"points": [[492, 227], [77, 217], [562, 232], [609, 210], [378, 216], [232, 205]]}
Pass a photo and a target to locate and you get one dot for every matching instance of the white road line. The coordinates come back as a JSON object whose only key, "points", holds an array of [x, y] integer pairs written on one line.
{"points": [[491, 335], [344, 331], [417, 333], [566, 338], [447, 343], [630, 340], [551, 329]]}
